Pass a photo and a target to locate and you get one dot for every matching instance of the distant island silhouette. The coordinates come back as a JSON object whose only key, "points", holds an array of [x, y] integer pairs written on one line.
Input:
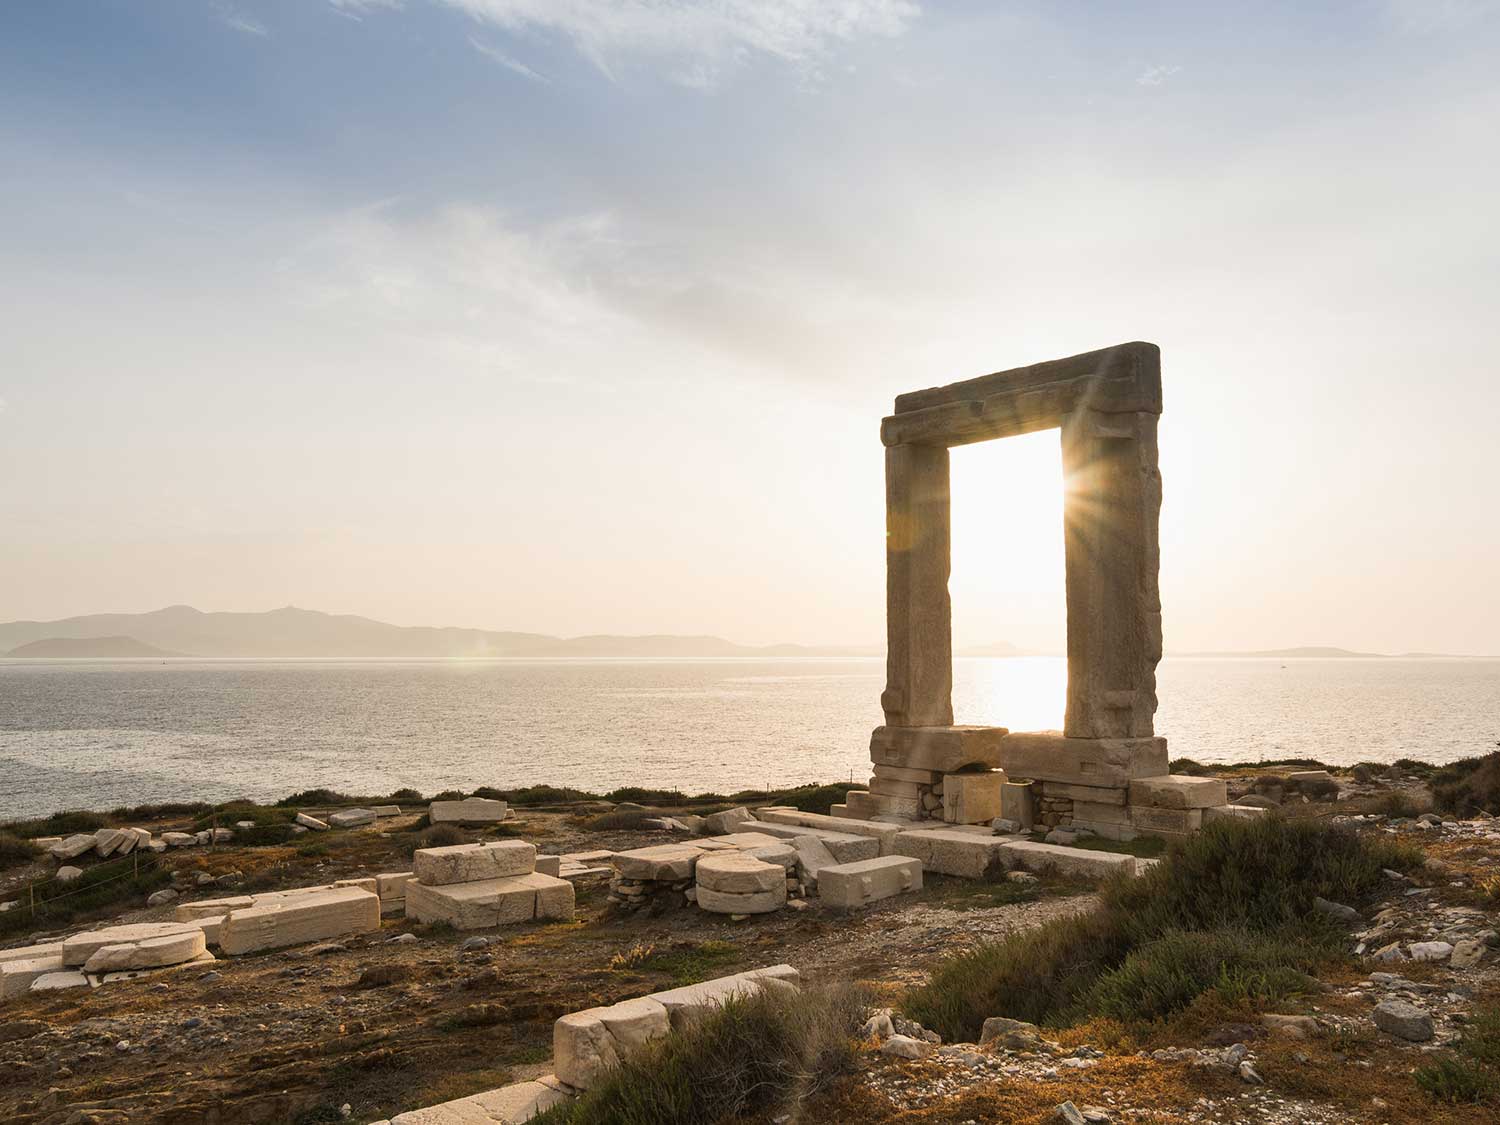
{"points": [[182, 631]]}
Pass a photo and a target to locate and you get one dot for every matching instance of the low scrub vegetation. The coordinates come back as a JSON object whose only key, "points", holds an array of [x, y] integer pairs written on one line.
{"points": [[15, 852], [1469, 786], [1468, 1073], [756, 1056], [1229, 910], [100, 889]]}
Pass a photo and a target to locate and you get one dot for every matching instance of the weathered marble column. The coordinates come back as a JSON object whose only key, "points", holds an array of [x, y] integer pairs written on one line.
{"points": [[1112, 501], [919, 625]]}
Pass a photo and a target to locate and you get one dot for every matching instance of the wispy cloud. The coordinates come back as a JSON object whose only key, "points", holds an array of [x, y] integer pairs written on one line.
{"points": [[358, 9], [239, 21], [698, 40], [1156, 75], [496, 55], [1432, 16]]}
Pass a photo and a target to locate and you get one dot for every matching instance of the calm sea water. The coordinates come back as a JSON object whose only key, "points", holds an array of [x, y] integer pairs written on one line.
{"points": [[103, 734]]}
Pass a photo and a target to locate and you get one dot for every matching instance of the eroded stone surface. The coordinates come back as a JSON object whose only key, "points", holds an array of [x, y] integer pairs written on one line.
{"points": [[491, 902], [469, 863], [736, 873], [850, 885], [471, 810]]}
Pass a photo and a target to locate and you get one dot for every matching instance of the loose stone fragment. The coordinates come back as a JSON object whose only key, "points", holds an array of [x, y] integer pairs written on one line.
{"points": [[850, 885], [471, 810], [1403, 1020], [905, 1047], [351, 818], [73, 846], [311, 822]]}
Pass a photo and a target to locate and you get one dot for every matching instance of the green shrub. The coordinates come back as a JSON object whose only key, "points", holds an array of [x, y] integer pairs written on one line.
{"points": [[58, 824], [101, 887], [756, 1055], [443, 836], [403, 795], [313, 798], [1397, 804], [230, 813], [1190, 767], [1468, 786], [1230, 886], [1469, 1072], [641, 796], [15, 851], [619, 820], [813, 798], [1166, 975]]}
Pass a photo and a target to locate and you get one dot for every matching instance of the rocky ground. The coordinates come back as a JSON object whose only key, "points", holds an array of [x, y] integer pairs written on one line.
{"points": [[360, 1029]]}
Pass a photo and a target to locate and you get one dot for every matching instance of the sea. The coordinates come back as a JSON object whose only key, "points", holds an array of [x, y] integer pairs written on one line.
{"points": [[102, 734]]}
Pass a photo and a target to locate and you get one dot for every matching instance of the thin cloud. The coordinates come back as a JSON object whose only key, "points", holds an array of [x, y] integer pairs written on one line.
{"points": [[696, 41], [1436, 16], [1156, 75], [240, 22], [497, 56], [358, 9]]}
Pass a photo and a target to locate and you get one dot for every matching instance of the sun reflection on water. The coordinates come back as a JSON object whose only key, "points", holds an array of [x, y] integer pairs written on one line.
{"points": [[1022, 693]]}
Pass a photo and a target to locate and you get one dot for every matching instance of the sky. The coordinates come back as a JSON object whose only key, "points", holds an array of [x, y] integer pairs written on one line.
{"points": [[576, 316]]}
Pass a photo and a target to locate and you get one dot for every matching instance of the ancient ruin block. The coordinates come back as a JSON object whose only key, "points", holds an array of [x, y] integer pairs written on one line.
{"points": [[487, 903], [849, 885], [1179, 792], [1111, 509], [972, 798], [275, 921], [945, 749], [470, 810], [1096, 762], [919, 653], [468, 863]]}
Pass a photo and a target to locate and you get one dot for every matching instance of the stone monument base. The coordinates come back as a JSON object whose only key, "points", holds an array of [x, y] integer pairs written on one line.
{"points": [[1116, 787]]}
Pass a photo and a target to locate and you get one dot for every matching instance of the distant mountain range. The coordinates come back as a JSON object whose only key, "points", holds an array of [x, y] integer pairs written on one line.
{"points": [[181, 630]]}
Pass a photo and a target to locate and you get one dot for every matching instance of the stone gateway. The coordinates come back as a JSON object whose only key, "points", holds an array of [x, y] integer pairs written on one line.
{"points": [[1105, 405]]}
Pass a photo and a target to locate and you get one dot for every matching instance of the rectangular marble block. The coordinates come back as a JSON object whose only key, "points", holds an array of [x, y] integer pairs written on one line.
{"points": [[972, 798], [938, 749], [1091, 813], [492, 902], [884, 834], [276, 921], [1094, 794], [687, 1004], [901, 773], [1177, 791], [1018, 803], [953, 851], [1031, 856], [471, 810], [845, 846], [854, 884], [470, 863], [1170, 822], [1102, 762], [520, 1101], [858, 805]]}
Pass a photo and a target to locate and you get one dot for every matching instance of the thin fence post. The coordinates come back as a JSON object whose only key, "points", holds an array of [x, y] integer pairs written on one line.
{"points": [[31, 892]]}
